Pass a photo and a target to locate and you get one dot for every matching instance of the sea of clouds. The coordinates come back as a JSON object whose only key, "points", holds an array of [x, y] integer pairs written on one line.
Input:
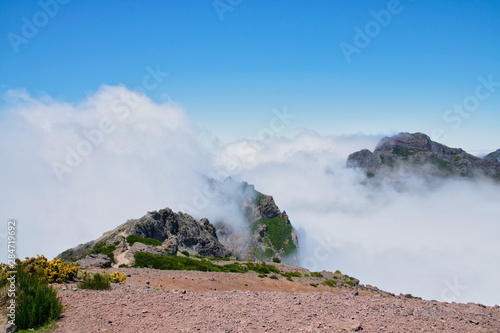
{"points": [[70, 172]]}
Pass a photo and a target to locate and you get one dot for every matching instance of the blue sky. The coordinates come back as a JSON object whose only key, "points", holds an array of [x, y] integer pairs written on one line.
{"points": [[230, 74]]}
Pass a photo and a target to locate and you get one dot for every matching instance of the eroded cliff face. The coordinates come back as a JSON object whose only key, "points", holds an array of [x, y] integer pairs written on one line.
{"points": [[422, 156]]}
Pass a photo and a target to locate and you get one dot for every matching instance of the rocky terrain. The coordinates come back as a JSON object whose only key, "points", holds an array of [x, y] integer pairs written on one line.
{"points": [[418, 154], [182, 301]]}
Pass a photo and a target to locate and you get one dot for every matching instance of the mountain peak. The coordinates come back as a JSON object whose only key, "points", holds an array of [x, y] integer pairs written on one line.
{"points": [[414, 150]]}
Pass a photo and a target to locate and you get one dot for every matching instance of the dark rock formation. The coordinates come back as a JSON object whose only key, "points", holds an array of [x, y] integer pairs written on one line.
{"points": [[199, 237], [95, 261]]}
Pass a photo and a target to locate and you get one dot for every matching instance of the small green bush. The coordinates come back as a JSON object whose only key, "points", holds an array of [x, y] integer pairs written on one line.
{"points": [[337, 272], [313, 285], [96, 282], [289, 275], [263, 268], [277, 260], [144, 240], [37, 302], [274, 277], [186, 253], [262, 275], [316, 274], [330, 283]]}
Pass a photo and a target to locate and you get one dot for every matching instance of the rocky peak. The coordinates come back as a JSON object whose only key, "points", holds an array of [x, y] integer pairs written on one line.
{"points": [[412, 142], [414, 151], [268, 207]]}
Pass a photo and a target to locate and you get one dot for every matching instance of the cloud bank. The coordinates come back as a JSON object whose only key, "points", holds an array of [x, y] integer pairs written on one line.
{"points": [[70, 172]]}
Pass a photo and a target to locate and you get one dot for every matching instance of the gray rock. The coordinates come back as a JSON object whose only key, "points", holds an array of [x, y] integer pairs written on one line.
{"points": [[198, 237], [139, 247], [364, 159], [95, 261], [9, 328], [268, 207], [171, 245]]}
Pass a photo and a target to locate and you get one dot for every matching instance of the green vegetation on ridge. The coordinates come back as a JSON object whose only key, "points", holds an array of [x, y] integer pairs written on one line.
{"points": [[149, 260], [279, 232], [144, 240]]}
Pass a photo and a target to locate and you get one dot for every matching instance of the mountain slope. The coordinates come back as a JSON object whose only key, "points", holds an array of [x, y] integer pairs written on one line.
{"points": [[493, 155]]}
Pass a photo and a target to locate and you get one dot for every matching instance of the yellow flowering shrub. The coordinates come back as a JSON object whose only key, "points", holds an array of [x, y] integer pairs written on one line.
{"points": [[117, 277], [4, 273], [54, 271]]}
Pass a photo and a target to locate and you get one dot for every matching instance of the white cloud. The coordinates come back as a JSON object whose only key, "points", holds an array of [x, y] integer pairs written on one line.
{"points": [[150, 157]]}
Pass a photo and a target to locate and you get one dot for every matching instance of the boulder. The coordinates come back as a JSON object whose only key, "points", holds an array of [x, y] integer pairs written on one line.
{"points": [[95, 261]]}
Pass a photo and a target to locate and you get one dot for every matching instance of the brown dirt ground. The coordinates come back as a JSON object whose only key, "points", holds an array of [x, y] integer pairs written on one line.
{"points": [[188, 301]]}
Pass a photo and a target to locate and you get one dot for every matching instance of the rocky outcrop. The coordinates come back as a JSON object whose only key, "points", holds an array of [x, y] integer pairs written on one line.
{"points": [[364, 159], [139, 247], [267, 207], [161, 232], [95, 261], [418, 153], [199, 237]]}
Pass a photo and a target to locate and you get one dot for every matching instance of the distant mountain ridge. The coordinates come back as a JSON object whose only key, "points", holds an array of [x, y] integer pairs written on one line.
{"points": [[418, 153], [493, 155]]}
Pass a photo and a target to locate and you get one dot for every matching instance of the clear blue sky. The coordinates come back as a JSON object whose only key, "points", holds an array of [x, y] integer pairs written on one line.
{"points": [[230, 74]]}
